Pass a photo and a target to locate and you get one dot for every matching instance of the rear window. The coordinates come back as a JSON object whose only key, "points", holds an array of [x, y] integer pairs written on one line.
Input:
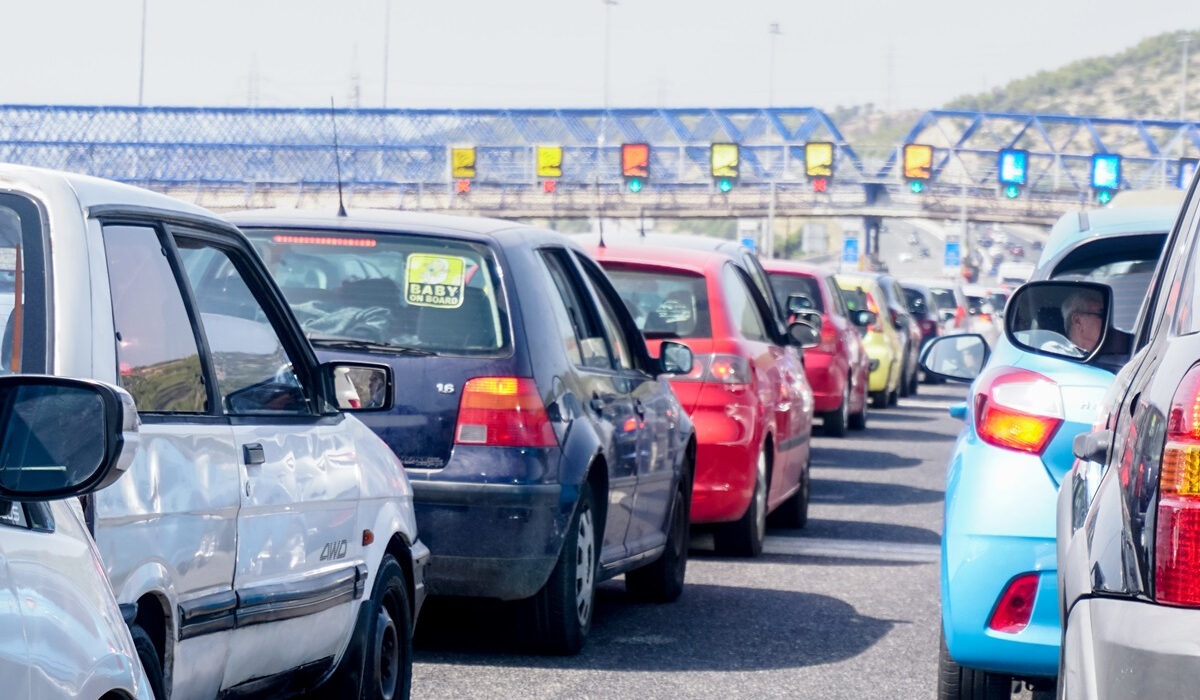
{"points": [[785, 285], [664, 304], [916, 301], [394, 291], [856, 299], [1125, 263], [944, 299]]}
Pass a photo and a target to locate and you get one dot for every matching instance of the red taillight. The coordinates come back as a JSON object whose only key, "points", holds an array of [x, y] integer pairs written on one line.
{"points": [[1017, 409], [1015, 608], [1177, 537], [928, 327], [986, 318], [960, 316], [828, 335], [503, 411], [719, 368]]}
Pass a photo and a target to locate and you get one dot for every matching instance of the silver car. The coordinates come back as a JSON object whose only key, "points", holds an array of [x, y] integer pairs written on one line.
{"points": [[262, 537]]}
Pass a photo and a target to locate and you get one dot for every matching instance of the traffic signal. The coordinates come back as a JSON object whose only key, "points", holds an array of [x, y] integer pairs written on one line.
{"points": [[549, 161], [725, 161], [462, 186], [918, 166], [1013, 171], [818, 159], [635, 165], [462, 162], [1106, 176]]}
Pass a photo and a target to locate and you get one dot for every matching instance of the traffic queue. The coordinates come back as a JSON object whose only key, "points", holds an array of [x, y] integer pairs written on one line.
{"points": [[255, 450]]}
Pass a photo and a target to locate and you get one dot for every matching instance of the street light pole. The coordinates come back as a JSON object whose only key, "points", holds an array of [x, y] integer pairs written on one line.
{"points": [[387, 42], [142, 60], [1184, 69], [600, 136], [773, 31]]}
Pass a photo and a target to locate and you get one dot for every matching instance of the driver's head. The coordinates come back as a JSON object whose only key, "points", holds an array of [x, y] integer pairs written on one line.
{"points": [[1083, 317]]}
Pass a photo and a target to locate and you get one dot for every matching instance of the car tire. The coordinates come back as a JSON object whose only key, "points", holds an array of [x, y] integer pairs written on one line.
{"points": [[858, 421], [744, 537], [913, 383], [661, 581], [835, 421], [148, 656], [961, 683], [388, 672], [793, 513], [879, 399], [894, 397], [562, 610]]}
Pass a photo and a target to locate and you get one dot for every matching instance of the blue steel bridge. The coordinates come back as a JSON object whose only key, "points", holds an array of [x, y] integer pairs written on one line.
{"points": [[227, 158]]}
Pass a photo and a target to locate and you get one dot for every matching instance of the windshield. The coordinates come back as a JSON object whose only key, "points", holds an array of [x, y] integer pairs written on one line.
{"points": [[785, 285], [944, 298], [664, 304], [409, 291]]}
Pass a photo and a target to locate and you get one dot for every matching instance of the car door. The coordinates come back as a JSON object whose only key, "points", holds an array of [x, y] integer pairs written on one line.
{"points": [[15, 668], [169, 528], [655, 466], [604, 392], [299, 564]]}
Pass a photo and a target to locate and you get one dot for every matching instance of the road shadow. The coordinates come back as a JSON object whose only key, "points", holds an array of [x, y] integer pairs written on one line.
{"points": [[862, 530], [825, 455], [710, 628], [837, 492], [903, 415]]}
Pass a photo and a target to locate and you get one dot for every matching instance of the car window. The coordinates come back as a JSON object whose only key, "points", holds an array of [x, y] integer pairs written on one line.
{"points": [[664, 304], [14, 516], [744, 315], [410, 290], [944, 299], [835, 299], [22, 285], [157, 354], [255, 375], [1125, 263], [589, 343], [608, 316], [916, 302], [754, 270], [785, 285]]}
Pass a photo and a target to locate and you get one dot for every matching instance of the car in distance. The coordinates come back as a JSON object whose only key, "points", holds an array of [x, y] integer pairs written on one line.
{"points": [[751, 403], [837, 369], [261, 536], [998, 575], [881, 339], [545, 452]]}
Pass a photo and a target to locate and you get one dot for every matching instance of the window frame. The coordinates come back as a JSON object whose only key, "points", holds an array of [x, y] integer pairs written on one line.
{"points": [[592, 318], [756, 304], [607, 296], [34, 230]]}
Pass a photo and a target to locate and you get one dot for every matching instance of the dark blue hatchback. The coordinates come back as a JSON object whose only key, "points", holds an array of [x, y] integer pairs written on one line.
{"points": [[545, 449]]}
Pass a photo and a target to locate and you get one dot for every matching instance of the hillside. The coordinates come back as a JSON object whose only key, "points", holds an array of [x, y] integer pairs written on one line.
{"points": [[1140, 82]]}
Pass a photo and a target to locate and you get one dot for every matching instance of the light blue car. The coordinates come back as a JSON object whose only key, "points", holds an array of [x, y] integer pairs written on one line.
{"points": [[999, 575]]}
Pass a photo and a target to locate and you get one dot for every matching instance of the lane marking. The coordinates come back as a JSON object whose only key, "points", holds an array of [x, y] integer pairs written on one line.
{"points": [[852, 549]]}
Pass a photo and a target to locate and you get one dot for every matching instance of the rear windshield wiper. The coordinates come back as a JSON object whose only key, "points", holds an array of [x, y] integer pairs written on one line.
{"points": [[340, 343]]}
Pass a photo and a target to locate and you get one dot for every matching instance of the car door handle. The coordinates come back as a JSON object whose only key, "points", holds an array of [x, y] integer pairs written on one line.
{"points": [[253, 454]]}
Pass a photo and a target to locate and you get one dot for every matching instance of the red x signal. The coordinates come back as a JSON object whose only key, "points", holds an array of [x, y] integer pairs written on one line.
{"points": [[549, 186]]}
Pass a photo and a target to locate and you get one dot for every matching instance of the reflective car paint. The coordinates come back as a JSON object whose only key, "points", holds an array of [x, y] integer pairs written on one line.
{"points": [[882, 342]]}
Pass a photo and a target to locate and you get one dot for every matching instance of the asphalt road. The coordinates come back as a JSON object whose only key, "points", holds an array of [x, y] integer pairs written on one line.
{"points": [[845, 608]]}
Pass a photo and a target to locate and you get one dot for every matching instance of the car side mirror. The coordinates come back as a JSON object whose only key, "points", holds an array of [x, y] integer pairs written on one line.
{"points": [[804, 335], [675, 358], [863, 318], [1067, 320], [799, 302], [360, 386], [946, 315], [958, 357], [62, 437]]}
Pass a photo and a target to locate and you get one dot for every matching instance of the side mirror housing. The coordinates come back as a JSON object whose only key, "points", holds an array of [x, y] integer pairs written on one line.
{"points": [[799, 302], [1065, 319], [863, 318], [359, 386], [62, 437], [804, 335], [958, 357], [675, 358]]}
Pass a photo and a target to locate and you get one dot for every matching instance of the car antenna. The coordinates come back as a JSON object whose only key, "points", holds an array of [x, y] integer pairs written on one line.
{"points": [[337, 158]]}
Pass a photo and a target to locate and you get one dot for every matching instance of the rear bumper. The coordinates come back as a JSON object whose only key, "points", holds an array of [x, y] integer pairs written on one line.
{"points": [[491, 540], [827, 379], [724, 482], [1124, 648]]}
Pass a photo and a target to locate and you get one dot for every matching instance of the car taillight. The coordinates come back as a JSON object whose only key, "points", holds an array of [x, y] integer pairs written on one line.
{"points": [[1015, 608], [1177, 540], [960, 317], [986, 318], [503, 411], [928, 327], [873, 308], [828, 335], [719, 368], [1017, 409]]}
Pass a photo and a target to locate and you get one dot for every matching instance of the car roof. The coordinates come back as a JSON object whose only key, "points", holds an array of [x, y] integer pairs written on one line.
{"points": [[697, 261], [672, 240], [786, 266], [1075, 226], [384, 221], [94, 191]]}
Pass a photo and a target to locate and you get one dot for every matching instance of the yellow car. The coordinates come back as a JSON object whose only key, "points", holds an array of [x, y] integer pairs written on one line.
{"points": [[881, 340]]}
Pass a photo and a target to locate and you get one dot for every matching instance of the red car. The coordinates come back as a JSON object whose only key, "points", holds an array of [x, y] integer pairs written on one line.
{"points": [[838, 368], [748, 397]]}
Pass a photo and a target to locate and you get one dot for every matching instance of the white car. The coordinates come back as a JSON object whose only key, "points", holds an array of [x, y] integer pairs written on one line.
{"points": [[263, 540], [63, 635]]}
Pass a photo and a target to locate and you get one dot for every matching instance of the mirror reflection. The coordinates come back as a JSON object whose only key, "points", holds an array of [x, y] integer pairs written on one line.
{"points": [[1064, 320], [52, 437], [361, 388], [955, 356]]}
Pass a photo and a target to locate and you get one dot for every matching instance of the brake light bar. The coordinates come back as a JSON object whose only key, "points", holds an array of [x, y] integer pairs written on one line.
{"points": [[325, 240]]}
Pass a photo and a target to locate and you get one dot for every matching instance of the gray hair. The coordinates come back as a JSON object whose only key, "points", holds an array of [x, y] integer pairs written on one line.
{"points": [[1079, 301]]}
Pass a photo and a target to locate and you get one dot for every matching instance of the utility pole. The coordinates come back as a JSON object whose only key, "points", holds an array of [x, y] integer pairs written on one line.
{"points": [[773, 32], [142, 59], [387, 42], [1183, 67], [600, 136]]}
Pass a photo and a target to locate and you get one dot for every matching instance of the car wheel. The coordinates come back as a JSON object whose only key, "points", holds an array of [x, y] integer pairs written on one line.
{"points": [[835, 421], [858, 421], [563, 608], [793, 512], [879, 399], [744, 537], [961, 683], [148, 656], [388, 673], [913, 383], [661, 581]]}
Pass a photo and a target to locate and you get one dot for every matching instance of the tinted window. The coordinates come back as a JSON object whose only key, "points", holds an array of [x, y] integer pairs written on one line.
{"points": [[409, 290], [254, 373], [786, 285], [664, 304], [22, 287], [743, 314], [608, 316], [916, 301], [944, 299], [589, 339], [157, 355]]}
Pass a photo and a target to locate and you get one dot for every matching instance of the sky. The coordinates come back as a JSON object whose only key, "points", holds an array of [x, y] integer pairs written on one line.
{"points": [[550, 53]]}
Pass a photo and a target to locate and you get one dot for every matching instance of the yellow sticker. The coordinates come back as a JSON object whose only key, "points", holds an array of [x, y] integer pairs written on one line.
{"points": [[434, 280]]}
